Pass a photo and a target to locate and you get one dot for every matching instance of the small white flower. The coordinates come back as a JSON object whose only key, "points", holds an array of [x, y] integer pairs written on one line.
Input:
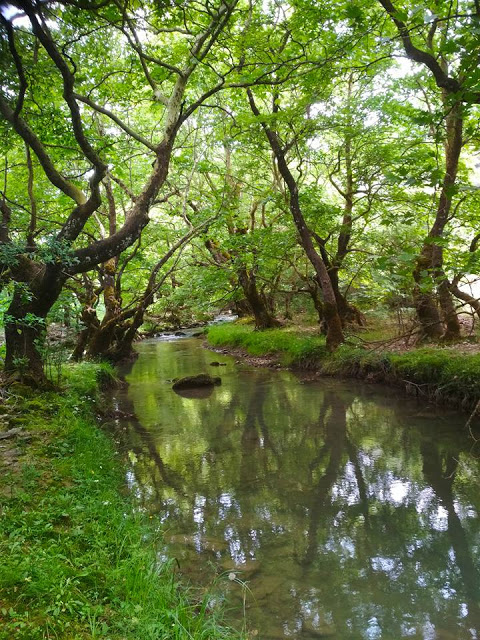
{"points": [[232, 576]]}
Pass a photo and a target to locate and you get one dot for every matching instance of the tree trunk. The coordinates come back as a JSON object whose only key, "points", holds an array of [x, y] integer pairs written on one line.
{"points": [[287, 314], [423, 296], [23, 354], [349, 314], [91, 325], [330, 309], [25, 326], [428, 273], [264, 319], [125, 334], [334, 324], [241, 308], [317, 303], [101, 340], [465, 297], [426, 307], [88, 298], [449, 313]]}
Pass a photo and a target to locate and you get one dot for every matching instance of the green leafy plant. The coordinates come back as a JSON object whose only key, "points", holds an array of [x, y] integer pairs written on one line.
{"points": [[78, 560]]}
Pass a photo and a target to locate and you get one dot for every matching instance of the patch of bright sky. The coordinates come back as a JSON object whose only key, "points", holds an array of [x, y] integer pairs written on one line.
{"points": [[9, 12], [402, 68], [21, 20]]}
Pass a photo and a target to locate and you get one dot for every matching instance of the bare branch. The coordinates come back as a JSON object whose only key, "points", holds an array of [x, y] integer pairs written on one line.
{"points": [[99, 109], [442, 79], [18, 64], [31, 196], [29, 137], [43, 34]]}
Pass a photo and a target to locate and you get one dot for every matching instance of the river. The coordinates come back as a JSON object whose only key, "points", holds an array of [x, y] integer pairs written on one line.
{"points": [[315, 508]]}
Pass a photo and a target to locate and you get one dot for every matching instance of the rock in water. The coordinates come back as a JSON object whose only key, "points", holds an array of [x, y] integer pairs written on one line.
{"points": [[193, 382], [317, 630]]}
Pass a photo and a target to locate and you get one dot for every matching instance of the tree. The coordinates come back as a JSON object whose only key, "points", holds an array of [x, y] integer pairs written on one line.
{"points": [[65, 42], [332, 318], [443, 43]]}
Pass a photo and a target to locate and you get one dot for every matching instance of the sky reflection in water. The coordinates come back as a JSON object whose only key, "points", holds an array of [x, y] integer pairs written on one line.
{"points": [[348, 510]]}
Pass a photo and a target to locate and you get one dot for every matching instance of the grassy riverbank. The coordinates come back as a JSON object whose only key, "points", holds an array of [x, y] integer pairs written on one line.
{"points": [[442, 374], [77, 562]]}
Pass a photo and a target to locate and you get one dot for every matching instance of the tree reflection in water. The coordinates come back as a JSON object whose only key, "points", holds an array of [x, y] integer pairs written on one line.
{"points": [[347, 510]]}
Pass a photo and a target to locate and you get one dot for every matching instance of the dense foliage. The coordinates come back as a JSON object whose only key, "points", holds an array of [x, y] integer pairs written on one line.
{"points": [[172, 159]]}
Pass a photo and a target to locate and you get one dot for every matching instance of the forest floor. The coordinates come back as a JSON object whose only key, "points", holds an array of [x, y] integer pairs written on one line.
{"points": [[78, 560], [447, 373]]}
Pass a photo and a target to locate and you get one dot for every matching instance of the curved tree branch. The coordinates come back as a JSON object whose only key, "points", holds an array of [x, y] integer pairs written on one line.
{"points": [[442, 79]]}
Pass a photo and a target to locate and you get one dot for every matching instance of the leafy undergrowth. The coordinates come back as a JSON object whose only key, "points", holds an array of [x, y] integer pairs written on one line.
{"points": [[77, 561], [436, 372]]}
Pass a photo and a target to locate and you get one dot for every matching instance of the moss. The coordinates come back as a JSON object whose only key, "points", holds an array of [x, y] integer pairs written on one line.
{"points": [[78, 561]]}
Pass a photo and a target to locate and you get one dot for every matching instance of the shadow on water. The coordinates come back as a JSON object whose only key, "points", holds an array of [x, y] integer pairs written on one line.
{"points": [[195, 394], [349, 512]]}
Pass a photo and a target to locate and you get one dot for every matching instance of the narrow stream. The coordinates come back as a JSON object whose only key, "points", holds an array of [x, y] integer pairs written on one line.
{"points": [[342, 510]]}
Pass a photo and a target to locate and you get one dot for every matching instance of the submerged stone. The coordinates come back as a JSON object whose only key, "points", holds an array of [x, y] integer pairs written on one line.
{"points": [[263, 586], [313, 629]]}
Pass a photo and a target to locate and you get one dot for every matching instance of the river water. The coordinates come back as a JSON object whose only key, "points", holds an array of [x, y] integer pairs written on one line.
{"points": [[316, 509]]}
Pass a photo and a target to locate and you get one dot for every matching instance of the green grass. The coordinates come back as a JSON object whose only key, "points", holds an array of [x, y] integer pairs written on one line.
{"points": [[452, 375], [436, 372], [293, 349], [77, 561]]}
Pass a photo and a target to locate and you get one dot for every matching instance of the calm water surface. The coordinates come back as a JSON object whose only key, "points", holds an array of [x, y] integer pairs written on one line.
{"points": [[346, 510]]}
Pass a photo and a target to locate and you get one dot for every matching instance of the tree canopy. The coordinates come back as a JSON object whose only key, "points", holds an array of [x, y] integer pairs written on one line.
{"points": [[172, 158]]}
